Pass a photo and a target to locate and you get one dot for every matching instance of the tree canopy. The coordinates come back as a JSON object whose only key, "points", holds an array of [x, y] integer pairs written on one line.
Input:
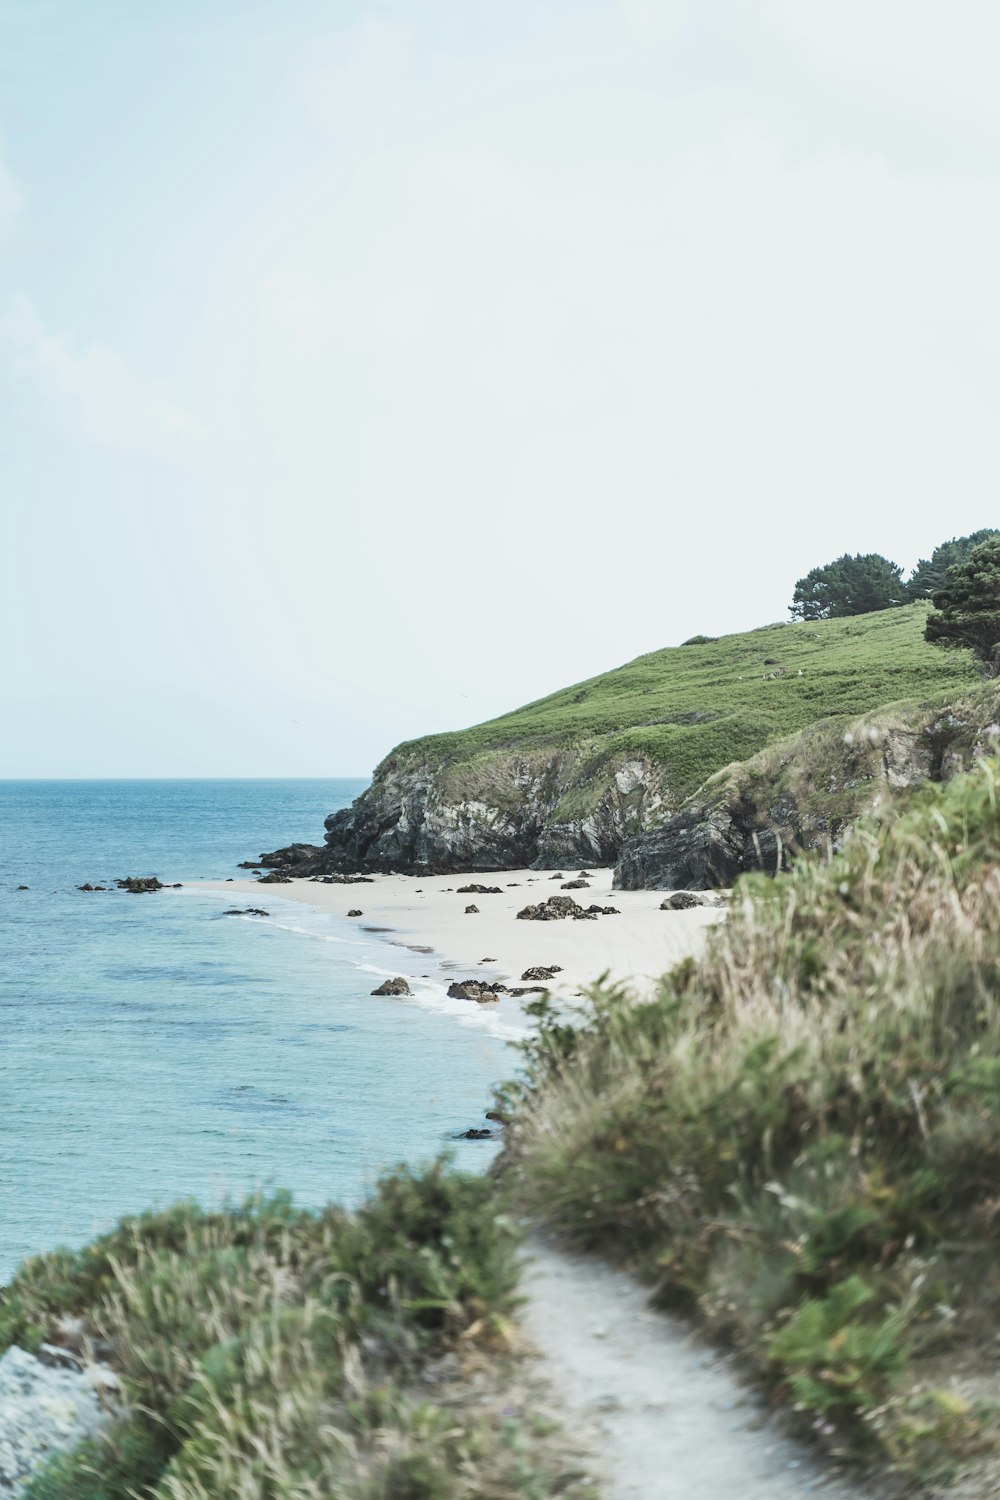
{"points": [[967, 609], [931, 574], [850, 585]]}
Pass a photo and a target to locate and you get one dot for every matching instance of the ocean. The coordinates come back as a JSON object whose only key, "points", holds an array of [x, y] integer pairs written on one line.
{"points": [[152, 1048]]}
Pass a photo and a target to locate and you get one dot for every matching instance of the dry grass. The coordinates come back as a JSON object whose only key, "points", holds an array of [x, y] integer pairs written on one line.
{"points": [[800, 1136]]}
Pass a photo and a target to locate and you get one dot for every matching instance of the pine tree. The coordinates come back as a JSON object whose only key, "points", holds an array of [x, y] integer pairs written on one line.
{"points": [[967, 609]]}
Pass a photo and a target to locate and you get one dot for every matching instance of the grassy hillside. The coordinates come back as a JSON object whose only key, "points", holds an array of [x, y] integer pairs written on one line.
{"points": [[694, 709], [265, 1351], [800, 1137]]}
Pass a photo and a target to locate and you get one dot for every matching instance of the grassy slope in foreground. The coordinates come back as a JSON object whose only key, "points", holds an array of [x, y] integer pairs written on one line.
{"points": [[265, 1351], [800, 1136], [694, 709]]}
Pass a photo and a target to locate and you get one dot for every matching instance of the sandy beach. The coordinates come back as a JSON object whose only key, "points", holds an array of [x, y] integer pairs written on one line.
{"points": [[427, 914]]}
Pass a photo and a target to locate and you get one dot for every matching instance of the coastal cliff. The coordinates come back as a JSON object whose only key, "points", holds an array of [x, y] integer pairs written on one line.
{"points": [[636, 755]]}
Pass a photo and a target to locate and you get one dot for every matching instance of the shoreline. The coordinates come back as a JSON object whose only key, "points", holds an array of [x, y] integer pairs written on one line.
{"points": [[425, 917]]}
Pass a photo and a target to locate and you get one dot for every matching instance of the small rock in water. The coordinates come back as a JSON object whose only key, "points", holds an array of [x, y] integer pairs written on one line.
{"points": [[540, 972], [24, 888], [138, 885], [476, 1134], [397, 986], [354, 912]]}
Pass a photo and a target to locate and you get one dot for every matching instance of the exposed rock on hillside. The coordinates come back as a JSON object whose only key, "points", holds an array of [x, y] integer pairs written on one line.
{"points": [[805, 792]]}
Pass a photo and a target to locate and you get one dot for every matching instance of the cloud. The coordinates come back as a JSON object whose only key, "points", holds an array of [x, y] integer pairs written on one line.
{"points": [[914, 55], [97, 393], [359, 76], [10, 197]]}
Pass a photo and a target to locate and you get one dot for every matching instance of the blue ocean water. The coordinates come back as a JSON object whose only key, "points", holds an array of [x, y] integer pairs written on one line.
{"points": [[152, 1048]]}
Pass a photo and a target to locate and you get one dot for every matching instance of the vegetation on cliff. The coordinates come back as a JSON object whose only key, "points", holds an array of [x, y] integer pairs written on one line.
{"points": [[265, 1351], [800, 1136], [696, 708], [806, 791]]}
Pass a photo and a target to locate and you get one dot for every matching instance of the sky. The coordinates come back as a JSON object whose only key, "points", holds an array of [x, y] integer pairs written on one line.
{"points": [[367, 370]]}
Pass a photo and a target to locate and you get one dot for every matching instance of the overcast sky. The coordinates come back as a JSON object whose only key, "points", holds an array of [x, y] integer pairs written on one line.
{"points": [[368, 370]]}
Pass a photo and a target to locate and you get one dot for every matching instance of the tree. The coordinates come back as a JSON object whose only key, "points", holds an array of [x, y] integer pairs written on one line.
{"points": [[931, 574], [967, 609], [849, 585]]}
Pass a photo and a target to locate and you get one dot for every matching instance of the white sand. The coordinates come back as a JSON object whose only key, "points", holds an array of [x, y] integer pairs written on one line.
{"points": [[637, 946]]}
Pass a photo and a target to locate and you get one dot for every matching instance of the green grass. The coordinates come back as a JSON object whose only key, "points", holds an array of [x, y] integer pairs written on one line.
{"points": [[694, 709], [275, 1354], [799, 1137]]}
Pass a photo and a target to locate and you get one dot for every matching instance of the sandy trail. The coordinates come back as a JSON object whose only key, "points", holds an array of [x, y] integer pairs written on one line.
{"points": [[662, 1413]]}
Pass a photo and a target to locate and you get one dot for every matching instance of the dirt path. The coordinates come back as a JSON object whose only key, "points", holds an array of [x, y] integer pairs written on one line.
{"points": [[663, 1414]]}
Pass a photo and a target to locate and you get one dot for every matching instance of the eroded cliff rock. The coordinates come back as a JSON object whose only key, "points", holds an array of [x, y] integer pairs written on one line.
{"points": [[541, 810], [807, 792]]}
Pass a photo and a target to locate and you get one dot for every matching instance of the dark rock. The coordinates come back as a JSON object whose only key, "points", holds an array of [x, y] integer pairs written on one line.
{"points": [[487, 960], [469, 910], [682, 901], [538, 972], [577, 885], [397, 986], [138, 884], [28, 888], [558, 876], [555, 909], [87, 887], [496, 1117], [479, 890], [528, 989], [297, 857], [246, 911], [178, 885], [475, 1135], [475, 989], [354, 912], [274, 877]]}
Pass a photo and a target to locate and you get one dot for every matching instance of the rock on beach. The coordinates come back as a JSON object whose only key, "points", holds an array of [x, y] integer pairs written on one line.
{"points": [[42, 1411]]}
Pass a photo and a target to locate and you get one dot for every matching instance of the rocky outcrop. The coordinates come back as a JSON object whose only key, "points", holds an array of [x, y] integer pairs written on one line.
{"points": [[397, 986], [807, 792], [431, 817], [46, 1406]]}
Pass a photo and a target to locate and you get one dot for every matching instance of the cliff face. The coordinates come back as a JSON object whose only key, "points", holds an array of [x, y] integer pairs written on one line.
{"points": [[807, 792], [415, 818]]}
